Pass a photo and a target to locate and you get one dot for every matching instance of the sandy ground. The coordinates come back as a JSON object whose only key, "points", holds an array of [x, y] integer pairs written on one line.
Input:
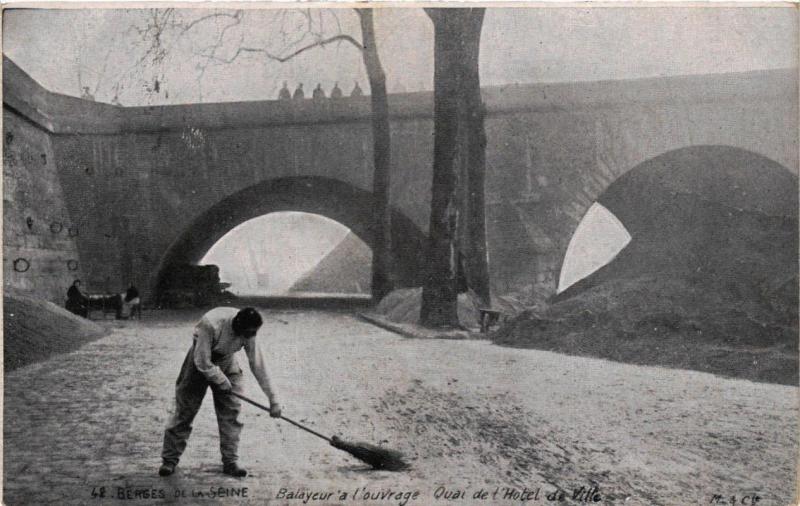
{"points": [[86, 427], [34, 330]]}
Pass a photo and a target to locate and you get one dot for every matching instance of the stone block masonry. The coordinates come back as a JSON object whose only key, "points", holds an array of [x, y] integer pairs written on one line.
{"points": [[40, 255]]}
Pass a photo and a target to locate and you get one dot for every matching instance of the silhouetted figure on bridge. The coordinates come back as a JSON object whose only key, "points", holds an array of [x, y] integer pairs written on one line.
{"points": [[285, 94], [336, 92], [356, 91], [319, 93], [299, 94]]}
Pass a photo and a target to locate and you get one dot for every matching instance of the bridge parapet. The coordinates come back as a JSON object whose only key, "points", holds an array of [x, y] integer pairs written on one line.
{"points": [[63, 114]]}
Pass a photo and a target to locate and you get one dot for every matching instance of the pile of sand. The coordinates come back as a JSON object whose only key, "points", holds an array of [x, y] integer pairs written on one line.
{"points": [[346, 269], [666, 322], [35, 329], [710, 288], [403, 306]]}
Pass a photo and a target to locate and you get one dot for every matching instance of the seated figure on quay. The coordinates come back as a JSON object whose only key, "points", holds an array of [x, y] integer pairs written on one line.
{"points": [[77, 302], [129, 304]]}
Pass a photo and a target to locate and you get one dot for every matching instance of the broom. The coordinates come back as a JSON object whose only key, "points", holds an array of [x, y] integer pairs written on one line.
{"points": [[376, 456]]}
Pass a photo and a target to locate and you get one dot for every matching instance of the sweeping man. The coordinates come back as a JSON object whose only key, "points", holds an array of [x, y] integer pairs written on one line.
{"points": [[211, 363]]}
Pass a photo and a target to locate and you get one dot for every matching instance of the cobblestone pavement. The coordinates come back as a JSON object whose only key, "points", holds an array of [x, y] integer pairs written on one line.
{"points": [[86, 427]]}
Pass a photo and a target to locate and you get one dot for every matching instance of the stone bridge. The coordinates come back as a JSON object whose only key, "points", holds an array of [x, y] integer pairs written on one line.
{"points": [[111, 194]]}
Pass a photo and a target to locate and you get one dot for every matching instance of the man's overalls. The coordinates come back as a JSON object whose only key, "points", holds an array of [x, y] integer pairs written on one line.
{"points": [[209, 362], [190, 389]]}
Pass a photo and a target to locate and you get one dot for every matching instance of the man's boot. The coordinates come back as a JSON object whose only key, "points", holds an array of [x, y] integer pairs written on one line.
{"points": [[166, 469], [234, 470]]}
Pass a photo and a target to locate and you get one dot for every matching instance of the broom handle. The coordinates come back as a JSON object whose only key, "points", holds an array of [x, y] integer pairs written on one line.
{"points": [[265, 408]]}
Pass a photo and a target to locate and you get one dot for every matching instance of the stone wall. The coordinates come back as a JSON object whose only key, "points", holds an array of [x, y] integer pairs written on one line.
{"points": [[40, 255]]}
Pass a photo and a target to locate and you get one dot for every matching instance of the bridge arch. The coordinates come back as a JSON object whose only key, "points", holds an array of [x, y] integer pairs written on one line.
{"points": [[731, 177], [331, 198]]}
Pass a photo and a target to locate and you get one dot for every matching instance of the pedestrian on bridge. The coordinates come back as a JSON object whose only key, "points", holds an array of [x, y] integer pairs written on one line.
{"points": [[336, 92], [211, 363], [299, 94], [319, 93], [285, 94]]}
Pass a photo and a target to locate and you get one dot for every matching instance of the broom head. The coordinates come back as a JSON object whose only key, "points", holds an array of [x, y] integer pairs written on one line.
{"points": [[376, 456]]}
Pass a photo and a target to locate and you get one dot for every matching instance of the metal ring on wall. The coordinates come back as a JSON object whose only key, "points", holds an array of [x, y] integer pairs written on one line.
{"points": [[56, 227], [21, 265], [72, 265]]}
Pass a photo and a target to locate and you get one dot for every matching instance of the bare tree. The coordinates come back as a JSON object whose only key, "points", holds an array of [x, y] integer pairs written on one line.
{"points": [[302, 30], [382, 254], [457, 222]]}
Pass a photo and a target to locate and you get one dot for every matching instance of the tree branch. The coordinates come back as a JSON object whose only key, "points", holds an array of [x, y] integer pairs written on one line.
{"points": [[186, 27], [260, 50], [214, 48], [163, 29]]}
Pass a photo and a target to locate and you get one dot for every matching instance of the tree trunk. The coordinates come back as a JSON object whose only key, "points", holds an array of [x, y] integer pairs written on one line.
{"points": [[475, 252], [382, 257], [456, 44]]}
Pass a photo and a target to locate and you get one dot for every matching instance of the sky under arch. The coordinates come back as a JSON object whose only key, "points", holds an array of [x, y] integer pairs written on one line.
{"points": [[600, 236], [268, 254]]}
